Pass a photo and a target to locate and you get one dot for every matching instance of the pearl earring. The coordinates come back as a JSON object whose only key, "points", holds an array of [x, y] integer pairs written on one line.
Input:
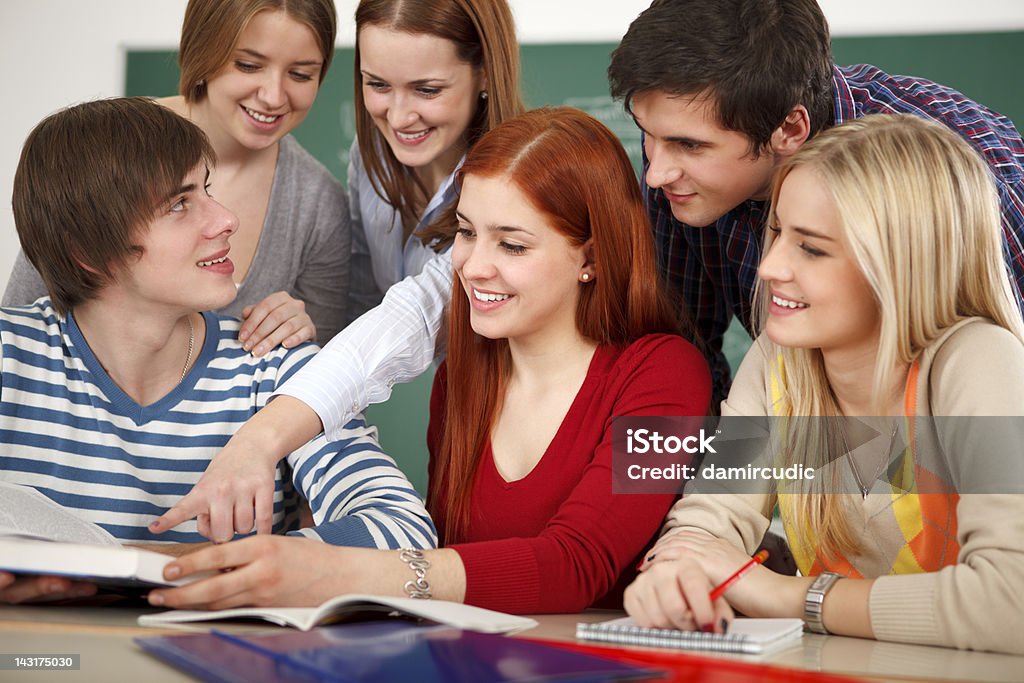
{"points": [[585, 277], [483, 94]]}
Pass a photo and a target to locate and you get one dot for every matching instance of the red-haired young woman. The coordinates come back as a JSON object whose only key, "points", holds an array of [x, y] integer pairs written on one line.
{"points": [[557, 326]]}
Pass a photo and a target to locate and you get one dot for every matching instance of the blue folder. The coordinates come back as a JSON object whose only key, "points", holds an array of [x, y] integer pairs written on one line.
{"points": [[380, 651]]}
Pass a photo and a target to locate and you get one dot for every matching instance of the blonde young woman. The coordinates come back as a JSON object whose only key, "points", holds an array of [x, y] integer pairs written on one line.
{"points": [[250, 71], [883, 293]]}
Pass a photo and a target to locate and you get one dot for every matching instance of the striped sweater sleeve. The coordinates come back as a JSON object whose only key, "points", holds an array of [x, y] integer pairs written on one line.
{"points": [[358, 495]]}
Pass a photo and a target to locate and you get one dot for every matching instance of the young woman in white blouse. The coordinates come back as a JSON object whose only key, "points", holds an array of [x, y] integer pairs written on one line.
{"points": [[430, 78]]}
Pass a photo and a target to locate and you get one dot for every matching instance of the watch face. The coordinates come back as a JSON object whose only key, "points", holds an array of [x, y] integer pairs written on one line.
{"points": [[824, 580]]}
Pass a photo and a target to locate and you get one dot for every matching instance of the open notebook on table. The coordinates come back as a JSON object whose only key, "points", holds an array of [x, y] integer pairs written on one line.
{"points": [[355, 607], [748, 636]]}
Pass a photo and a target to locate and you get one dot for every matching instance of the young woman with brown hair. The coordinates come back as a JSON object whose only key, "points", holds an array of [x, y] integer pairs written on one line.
{"points": [[250, 72], [431, 77]]}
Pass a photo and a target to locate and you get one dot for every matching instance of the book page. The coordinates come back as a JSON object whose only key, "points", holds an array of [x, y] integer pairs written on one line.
{"points": [[441, 611], [26, 513], [343, 606]]}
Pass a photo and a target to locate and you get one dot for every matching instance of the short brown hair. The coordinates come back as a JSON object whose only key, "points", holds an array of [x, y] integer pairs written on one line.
{"points": [[756, 59], [210, 31], [89, 178]]}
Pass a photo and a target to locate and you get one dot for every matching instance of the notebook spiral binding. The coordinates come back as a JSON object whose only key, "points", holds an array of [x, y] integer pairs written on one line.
{"points": [[660, 637]]}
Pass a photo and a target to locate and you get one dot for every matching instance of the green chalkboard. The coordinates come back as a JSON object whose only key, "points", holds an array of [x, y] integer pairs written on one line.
{"points": [[552, 74], [982, 66]]}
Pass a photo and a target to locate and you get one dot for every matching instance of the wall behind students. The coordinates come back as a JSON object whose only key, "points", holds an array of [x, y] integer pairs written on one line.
{"points": [[575, 74], [57, 52]]}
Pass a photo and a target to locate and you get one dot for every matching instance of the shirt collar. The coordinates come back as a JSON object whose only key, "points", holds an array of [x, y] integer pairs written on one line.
{"points": [[445, 194], [845, 109]]}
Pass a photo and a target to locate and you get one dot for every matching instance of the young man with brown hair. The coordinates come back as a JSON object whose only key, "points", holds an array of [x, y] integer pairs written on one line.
{"points": [[118, 388]]}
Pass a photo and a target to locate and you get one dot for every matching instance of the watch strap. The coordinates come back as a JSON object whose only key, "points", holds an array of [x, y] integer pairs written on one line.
{"points": [[814, 601]]}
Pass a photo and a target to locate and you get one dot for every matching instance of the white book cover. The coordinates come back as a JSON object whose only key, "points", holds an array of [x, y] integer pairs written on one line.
{"points": [[304, 618], [39, 537], [105, 565]]}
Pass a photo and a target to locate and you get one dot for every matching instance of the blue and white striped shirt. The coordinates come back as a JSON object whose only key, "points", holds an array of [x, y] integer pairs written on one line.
{"points": [[69, 431]]}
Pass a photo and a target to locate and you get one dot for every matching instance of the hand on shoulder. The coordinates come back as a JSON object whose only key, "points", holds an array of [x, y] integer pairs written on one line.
{"points": [[280, 319]]}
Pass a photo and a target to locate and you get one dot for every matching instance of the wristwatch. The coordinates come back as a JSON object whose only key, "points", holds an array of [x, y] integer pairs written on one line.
{"points": [[815, 600]]}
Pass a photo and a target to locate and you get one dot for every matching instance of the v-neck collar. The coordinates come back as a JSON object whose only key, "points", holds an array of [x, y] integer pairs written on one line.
{"points": [[598, 366], [123, 404]]}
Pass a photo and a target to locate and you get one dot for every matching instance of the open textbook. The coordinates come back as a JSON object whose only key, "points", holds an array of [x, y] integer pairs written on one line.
{"points": [[345, 607], [39, 537]]}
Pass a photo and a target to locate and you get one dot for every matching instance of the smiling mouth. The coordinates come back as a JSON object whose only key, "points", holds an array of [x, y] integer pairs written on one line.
{"points": [[262, 118], [787, 303], [489, 297], [412, 137], [205, 264]]}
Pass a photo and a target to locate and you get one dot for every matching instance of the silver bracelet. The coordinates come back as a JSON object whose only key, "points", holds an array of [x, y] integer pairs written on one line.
{"points": [[418, 587]]}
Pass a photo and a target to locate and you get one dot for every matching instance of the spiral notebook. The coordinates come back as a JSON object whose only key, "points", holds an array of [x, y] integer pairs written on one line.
{"points": [[747, 636]]}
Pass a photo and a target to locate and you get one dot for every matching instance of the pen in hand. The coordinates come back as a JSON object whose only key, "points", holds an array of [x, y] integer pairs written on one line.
{"points": [[720, 589]]}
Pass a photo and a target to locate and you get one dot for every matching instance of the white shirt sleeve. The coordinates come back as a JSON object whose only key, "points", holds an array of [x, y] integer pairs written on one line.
{"points": [[393, 342]]}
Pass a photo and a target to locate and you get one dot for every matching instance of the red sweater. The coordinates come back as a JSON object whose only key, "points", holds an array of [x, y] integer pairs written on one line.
{"points": [[558, 540]]}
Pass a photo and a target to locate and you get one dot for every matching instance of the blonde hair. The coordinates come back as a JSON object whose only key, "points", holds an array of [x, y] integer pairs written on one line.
{"points": [[919, 210], [210, 32]]}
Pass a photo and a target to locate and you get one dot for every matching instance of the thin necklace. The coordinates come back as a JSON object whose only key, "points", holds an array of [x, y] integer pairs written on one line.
{"points": [[864, 489], [191, 346]]}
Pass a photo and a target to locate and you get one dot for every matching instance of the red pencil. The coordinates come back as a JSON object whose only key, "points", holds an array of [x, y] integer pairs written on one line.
{"points": [[719, 590]]}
